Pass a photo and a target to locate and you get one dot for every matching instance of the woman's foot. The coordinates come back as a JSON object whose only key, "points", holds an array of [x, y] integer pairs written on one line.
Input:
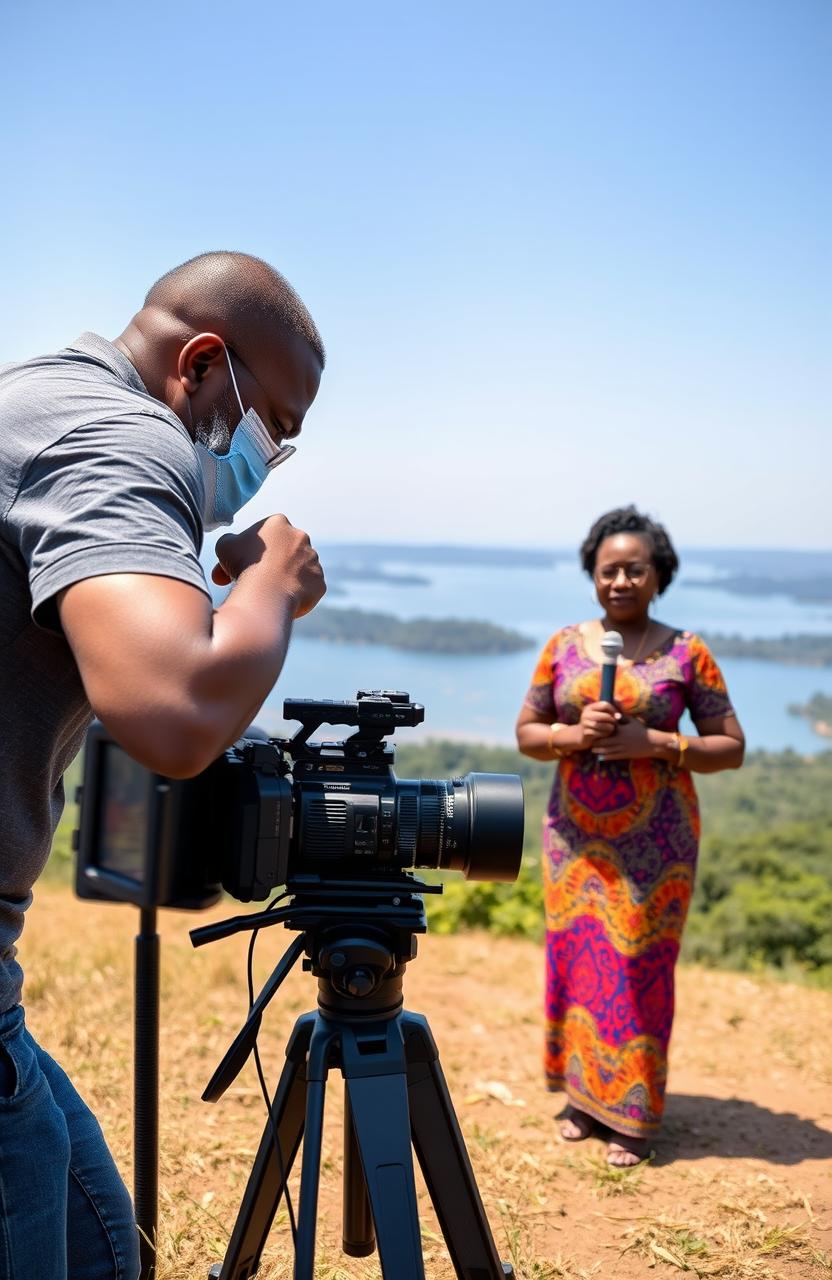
{"points": [[576, 1126], [625, 1152]]}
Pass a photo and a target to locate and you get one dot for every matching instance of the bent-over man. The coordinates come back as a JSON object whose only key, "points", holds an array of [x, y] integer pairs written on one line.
{"points": [[114, 457]]}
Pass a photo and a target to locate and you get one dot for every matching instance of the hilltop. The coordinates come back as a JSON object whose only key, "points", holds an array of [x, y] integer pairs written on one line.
{"points": [[738, 1188]]}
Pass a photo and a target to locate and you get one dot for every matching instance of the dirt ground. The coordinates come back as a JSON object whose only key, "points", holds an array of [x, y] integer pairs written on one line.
{"points": [[740, 1185]]}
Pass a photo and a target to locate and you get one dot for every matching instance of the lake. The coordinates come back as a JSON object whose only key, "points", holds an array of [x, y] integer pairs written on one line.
{"points": [[479, 696]]}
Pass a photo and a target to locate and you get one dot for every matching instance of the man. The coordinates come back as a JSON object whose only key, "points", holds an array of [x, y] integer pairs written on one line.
{"points": [[113, 459]]}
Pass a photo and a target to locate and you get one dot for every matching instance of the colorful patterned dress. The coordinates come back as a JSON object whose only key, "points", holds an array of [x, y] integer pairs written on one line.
{"points": [[620, 846]]}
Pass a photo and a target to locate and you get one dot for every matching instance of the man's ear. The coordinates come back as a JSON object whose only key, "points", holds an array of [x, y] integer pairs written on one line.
{"points": [[200, 358]]}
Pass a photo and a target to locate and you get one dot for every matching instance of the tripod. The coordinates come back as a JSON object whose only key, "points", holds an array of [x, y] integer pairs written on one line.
{"points": [[357, 937]]}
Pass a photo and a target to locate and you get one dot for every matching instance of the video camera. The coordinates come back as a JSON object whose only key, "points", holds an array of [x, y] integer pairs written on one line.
{"points": [[280, 811]]}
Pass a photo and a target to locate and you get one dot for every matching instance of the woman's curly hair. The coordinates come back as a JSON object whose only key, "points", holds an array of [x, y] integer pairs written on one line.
{"points": [[629, 520]]}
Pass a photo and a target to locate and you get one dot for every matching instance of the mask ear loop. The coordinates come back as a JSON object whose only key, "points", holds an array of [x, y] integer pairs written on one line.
{"points": [[282, 452], [234, 381]]}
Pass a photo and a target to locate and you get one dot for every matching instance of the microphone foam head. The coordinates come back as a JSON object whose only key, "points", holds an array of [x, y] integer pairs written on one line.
{"points": [[612, 643]]}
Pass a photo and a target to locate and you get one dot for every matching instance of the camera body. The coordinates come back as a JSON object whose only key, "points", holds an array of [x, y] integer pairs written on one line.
{"points": [[266, 813]]}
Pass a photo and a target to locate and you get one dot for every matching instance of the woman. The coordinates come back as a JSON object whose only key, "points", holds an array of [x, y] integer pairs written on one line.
{"points": [[621, 833]]}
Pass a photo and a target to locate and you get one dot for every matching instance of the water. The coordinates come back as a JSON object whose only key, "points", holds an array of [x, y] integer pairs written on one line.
{"points": [[479, 696]]}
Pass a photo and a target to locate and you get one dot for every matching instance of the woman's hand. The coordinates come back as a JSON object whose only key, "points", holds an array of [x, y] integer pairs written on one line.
{"points": [[598, 721], [632, 740]]}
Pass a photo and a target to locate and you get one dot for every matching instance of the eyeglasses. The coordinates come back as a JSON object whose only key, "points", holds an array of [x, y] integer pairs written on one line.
{"points": [[284, 450], [634, 573]]}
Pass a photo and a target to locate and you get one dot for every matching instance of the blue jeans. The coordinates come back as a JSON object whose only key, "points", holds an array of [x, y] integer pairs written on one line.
{"points": [[65, 1213]]}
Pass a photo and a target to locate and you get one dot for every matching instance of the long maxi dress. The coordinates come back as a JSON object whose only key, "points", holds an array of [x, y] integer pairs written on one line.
{"points": [[619, 857]]}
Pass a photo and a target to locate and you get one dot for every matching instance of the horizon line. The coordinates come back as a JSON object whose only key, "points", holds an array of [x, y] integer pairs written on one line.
{"points": [[564, 550]]}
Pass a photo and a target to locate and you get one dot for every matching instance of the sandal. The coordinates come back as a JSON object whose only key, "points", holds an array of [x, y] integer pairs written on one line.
{"points": [[625, 1152], [582, 1125]]}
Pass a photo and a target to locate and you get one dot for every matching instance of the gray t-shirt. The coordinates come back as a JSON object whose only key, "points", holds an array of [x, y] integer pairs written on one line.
{"points": [[96, 477]]}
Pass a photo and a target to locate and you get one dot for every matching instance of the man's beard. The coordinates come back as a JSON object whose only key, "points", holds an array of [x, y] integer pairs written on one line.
{"points": [[214, 432]]}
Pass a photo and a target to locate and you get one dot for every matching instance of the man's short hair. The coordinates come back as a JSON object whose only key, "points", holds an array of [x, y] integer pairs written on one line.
{"points": [[245, 291]]}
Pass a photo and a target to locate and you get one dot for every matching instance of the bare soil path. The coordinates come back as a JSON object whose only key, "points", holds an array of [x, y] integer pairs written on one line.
{"points": [[740, 1186]]}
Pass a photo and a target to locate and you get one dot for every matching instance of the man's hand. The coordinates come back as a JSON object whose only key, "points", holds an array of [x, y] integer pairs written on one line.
{"points": [[282, 553]]}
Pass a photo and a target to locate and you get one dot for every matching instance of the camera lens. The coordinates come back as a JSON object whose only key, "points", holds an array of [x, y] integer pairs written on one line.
{"points": [[472, 824]]}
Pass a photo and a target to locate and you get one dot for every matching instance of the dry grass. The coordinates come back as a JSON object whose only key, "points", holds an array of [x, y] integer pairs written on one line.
{"points": [[738, 1189]]}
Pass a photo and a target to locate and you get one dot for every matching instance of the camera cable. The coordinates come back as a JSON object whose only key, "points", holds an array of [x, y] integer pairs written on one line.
{"points": [[263, 1085]]}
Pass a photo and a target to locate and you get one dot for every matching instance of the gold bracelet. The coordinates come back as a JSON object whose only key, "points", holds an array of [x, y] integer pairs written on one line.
{"points": [[682, 746], [555, 753]]}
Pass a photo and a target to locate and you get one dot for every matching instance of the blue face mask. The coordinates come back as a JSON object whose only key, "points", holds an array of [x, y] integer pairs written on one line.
{"points": [[232, 479]]}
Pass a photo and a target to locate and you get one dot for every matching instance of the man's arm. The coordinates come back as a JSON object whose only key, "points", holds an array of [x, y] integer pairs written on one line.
{"points": [[174, 680]]}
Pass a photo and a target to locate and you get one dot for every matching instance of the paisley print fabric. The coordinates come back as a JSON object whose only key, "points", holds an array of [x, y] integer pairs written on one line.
{"points": [[620, 847]]}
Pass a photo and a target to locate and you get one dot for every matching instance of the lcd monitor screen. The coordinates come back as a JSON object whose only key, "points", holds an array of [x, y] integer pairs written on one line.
{"points": [[123, 830]]}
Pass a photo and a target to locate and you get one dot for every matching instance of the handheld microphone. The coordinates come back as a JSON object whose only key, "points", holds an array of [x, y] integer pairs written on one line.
{"points": [[612, 644]]}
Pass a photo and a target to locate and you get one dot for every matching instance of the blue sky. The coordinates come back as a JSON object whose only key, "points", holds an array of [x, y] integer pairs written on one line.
{"points": [[563, 255]]}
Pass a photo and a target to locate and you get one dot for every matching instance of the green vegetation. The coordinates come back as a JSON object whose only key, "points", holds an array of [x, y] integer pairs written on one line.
{"points": [[765, 901], [818, 710], [427, 635], [763, 898], [504, 908], [797, 650], [60, 864]]}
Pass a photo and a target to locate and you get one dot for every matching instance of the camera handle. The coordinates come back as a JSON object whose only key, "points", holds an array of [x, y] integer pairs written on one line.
{"points": [[396, 1096]]}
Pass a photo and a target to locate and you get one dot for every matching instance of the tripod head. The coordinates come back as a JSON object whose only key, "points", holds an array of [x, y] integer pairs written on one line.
{"points": [[356, 936]]}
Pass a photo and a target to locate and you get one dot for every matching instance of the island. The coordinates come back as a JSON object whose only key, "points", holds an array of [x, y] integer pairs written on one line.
{"points": [[422, 635], [799, 650], [818, 711], [803, 590], [374, 573], [379, 553]]}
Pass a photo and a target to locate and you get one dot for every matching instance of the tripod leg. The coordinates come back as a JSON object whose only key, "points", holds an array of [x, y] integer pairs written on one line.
{"points": [[266, 1181], [444, 1160], [358, 1235], [309, 1181], [324, 1036], [377, 1090]]}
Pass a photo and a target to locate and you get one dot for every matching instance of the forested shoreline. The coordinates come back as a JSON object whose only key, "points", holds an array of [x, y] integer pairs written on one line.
{"points": [[342, 625], [816, 589], [818, 711], [802, 650], [423, 635]]}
